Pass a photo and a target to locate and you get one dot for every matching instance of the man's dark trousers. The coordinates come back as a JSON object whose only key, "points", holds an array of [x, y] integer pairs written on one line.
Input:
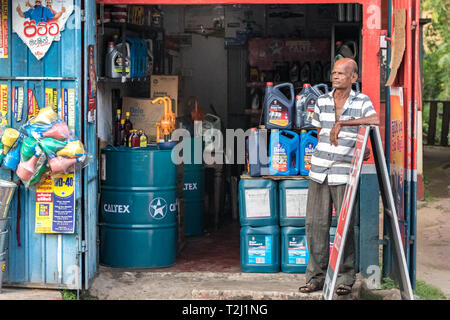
{"points": [[318, 222]]}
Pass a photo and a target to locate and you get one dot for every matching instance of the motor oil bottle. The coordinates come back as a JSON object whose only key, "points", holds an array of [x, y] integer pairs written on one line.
{"points": [[294, 250], [305, 72], [305, 103], [256, 151], [260, 249], [283, 153], [142, 138], [293, 197], [115, 61], [117, 139], [304, 107], [278, 108], [258, 202], [308, 142]]}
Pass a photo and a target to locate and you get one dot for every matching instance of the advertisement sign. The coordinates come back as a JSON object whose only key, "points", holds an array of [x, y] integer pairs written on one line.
{"points": [[40, 22], [347, 207], [397, 152], [346, 212], [4, 104], [4, 29], [92, 86], [55, 204]]}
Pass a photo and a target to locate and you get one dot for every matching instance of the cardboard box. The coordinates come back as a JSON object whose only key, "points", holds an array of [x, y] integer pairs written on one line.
{"points": [[143, 115], [161, 86]]}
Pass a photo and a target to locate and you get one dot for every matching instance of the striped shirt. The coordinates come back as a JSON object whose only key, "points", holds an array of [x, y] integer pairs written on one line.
{"points": [[335, 161]]}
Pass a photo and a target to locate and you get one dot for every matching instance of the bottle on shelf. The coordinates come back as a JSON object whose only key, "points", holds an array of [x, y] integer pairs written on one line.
{"points": [[134, 139], [128, 126], [143, 138], [122, 133], [117, 140]]}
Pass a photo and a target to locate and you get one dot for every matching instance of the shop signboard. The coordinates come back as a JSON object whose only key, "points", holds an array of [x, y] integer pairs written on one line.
{"points": [[397, 153], [40, 22], [4, 28], [346, 212], [347, 206], [55, 204]]}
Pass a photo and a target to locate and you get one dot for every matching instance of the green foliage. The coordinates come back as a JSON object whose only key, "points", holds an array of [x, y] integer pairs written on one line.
{"points": [[388, 283], [69, 294], [428, 292], [436, 59]]}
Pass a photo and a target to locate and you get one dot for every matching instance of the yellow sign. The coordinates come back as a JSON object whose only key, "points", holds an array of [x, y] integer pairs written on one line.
{"points": [[55, 204], [4, 104]]}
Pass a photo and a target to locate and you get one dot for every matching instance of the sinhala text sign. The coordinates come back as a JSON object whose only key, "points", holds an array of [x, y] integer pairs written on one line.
{"points": [[39, 22]]}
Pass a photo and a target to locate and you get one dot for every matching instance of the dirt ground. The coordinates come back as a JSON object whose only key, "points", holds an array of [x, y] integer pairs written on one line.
{"points": [[433, 221]]}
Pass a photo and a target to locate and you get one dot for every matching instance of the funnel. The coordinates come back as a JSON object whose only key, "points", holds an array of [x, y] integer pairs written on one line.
{"points": [[36, 130], [45, 116], [12, 159], [60, 164], [73, 149], [26, 170], [59, 131], [50, 146], [9, 138], [7, 189], [28, 148]]}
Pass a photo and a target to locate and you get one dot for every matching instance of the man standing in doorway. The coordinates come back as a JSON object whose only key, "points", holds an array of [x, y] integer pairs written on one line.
{"points": [[337, 117]]}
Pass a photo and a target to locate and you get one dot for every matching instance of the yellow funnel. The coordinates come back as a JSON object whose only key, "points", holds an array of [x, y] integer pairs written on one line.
{"points": [[45, 116], [9, 138], [73, 149]]}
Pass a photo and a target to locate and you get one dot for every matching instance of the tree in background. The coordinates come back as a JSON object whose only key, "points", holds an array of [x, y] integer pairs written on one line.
{"points": [[436, 59]]}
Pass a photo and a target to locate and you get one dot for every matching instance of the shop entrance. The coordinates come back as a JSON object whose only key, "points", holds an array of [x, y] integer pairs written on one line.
{"points": [[213, 62]]}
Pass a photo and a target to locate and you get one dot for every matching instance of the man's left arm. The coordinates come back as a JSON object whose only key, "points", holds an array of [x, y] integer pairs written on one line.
{"points": [[369, 117]]}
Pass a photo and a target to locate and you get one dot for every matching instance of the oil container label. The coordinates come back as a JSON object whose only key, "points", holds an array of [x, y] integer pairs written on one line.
{"points": [[260, 249], [279, 158], [257, 203], [309, 149], [278, 114], [296, 200], [297, 250]]}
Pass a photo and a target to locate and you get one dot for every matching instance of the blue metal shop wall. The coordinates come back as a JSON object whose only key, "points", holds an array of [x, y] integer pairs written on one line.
{"points": [[90, 182], [43, 260]]}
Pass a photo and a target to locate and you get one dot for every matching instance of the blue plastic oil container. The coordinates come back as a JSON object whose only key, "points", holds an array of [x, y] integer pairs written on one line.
{"points": [[278, 108], [332, 234], [294, 250], [308, 142], [283, 153], [260, 249], [293, 195], [256, 148], [258, 202]]}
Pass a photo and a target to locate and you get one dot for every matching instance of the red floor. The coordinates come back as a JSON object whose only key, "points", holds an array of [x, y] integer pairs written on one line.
{"points": [[212, 252]]}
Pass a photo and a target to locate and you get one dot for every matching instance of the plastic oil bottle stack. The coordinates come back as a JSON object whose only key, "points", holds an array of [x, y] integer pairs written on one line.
{"points": [[260, 233]]}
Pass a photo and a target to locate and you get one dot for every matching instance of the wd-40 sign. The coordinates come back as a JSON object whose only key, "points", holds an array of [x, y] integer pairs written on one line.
{"points": [[39, 22], [347, 210]]}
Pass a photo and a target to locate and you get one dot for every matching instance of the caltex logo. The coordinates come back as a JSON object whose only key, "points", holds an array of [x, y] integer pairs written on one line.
{"points": [[158, 208]]}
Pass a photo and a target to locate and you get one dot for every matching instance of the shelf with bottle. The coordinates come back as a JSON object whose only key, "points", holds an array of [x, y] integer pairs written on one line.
{"points": [[132, 27], [128, 80]]}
